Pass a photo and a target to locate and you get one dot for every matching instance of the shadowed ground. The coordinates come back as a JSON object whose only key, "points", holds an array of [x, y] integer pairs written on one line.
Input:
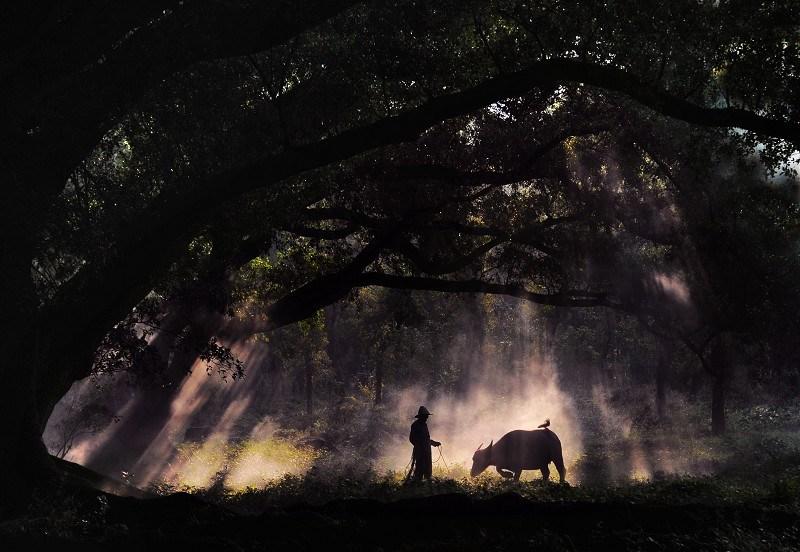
{"points": [[450, 521]]}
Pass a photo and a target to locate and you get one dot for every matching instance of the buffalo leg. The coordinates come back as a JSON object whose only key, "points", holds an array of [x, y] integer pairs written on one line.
{"points": [[504, 472], [562, 471], [517, 473], [545, 473]]}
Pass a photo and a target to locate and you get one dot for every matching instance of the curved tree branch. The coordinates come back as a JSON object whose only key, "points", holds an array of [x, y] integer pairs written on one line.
{"points": [[72, 83], [449, 266], [168, 225], [563, 299]]}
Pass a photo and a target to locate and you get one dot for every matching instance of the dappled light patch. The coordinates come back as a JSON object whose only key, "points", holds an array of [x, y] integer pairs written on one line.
{"points": [[256, 463], [235, 465], [674, 286], [197, 464]]}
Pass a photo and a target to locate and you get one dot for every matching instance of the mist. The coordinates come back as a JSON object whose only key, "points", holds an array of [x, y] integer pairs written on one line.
{"points": [[229, 433], [491, 407]]}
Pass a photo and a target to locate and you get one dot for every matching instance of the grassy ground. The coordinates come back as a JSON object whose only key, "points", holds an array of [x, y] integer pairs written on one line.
{"points": [[296, 513], [738, 492]]}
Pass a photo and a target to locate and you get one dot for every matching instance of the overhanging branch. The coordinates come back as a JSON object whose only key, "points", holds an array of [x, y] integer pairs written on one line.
{"points": [[564, 299], [166, 230]]}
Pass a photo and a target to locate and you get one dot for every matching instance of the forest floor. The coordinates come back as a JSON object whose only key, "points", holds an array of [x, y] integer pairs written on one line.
{"points": [[692, 514], [748, 498]]}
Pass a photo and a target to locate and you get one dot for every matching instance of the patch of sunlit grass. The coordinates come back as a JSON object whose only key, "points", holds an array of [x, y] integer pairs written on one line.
{"points": [[237, 465], [256, 463], [450, 471], [198, 463]]}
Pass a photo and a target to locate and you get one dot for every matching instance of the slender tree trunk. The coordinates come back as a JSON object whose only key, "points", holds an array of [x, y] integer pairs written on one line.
{"points": [[718, 406], [382, 345], [662, 367], [472, 357], [332, 313], [720, 369], [605, 370], [378, 382], [309, 388]]}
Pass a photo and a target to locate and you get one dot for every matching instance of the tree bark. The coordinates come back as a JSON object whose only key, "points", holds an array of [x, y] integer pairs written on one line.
{"points": [[24, 461]]}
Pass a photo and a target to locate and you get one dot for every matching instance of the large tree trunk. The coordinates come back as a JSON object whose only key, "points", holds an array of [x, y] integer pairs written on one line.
{"points": [[24, 462]]}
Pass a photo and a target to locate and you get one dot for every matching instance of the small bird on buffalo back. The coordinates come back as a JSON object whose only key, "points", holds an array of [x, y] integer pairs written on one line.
{"points": [[545, 424]]}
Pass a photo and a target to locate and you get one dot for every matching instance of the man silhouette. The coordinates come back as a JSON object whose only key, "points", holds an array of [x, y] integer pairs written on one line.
{"points": [[421, 439]]}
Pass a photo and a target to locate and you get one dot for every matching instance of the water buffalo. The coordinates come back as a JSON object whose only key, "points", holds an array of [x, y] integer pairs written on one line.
{"points": [[521, 450]]}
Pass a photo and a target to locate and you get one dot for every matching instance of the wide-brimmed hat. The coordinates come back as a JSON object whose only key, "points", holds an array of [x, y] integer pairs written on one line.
{"points": [[422, 412]]}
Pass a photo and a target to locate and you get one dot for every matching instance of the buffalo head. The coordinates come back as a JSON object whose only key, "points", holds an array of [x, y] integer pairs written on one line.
{"points": [[481, 460]]}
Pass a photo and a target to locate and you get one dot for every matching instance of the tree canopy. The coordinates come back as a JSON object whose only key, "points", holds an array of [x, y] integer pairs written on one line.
{"points": [[236, 166]]}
